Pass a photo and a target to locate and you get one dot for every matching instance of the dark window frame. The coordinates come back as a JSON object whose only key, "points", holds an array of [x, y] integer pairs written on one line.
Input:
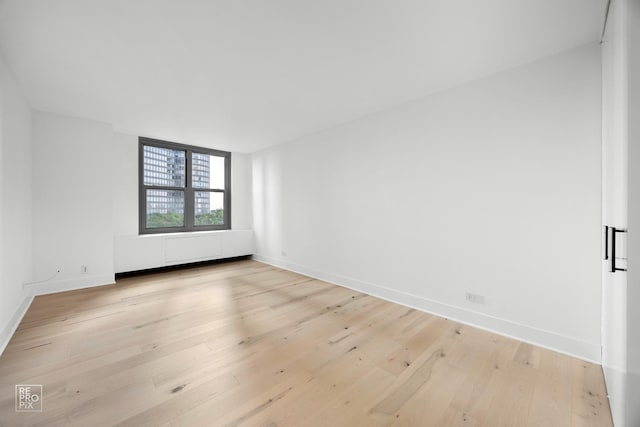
{"points": [[189, 191]]}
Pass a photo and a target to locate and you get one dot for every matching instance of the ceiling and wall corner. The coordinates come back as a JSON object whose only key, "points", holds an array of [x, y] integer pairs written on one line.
{"points": [[242, 76]]}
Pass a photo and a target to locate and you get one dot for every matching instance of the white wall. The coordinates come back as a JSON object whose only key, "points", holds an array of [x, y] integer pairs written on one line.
{"points": [[135, 252], [241, 192], [125, 184], [491, 188], [72, 192], [15, 203]]}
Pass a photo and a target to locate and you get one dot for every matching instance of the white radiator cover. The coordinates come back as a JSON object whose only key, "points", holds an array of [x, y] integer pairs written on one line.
{"points": [[159, 250]]}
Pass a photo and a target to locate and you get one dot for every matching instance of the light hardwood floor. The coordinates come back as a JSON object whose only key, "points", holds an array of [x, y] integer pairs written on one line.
{"points": [[244, 343]]}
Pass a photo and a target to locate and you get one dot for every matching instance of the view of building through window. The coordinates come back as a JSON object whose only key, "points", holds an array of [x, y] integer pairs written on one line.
{"points": [[164, 167], [168, 193]]}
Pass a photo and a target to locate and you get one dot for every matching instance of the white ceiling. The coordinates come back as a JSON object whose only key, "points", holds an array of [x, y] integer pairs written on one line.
{"points": [[245, 74]]}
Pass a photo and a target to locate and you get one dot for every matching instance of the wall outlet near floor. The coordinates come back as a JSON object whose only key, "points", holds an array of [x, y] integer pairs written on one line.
{"points": [[83, 269], [474, 298]]}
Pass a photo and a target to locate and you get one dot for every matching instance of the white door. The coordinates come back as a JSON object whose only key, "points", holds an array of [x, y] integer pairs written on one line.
{"points": [[633, 276], [614, 206], [621, 209], [614, 203]]}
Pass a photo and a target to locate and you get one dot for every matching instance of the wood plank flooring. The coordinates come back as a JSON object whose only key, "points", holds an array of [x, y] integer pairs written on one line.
{"points": [[247, 344]]}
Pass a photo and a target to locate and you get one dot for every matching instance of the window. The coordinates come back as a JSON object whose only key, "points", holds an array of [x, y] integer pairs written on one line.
{"points": [[183, 188]]}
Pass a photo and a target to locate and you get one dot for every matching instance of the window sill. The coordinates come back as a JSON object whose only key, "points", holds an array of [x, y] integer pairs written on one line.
{"points": [[184, 233]]}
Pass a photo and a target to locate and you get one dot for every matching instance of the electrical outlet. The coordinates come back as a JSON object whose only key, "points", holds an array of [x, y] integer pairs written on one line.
{"points": [[83, 269], [474, 298]]}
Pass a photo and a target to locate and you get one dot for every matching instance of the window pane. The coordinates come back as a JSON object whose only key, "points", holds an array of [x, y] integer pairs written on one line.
{"points": [[209, 208], [207, 171], [164, 166], [165, 208]]}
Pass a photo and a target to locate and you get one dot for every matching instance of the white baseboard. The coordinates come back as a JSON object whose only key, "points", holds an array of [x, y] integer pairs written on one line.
{"points": [[10, 328], [71, 284], [542, 338]]}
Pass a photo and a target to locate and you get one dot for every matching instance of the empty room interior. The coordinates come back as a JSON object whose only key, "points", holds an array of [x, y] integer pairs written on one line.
{"points": [[319, 213]]}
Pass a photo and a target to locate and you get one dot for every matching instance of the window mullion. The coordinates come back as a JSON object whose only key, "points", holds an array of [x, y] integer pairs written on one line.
{"points": [[162, 187], [188, 202]]}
